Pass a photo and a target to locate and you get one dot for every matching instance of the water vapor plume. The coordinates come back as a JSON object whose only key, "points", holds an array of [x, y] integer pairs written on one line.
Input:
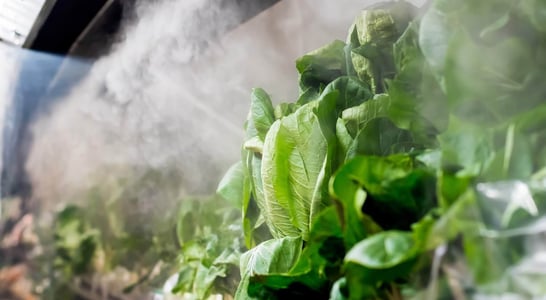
{"points": [[150, 103]]}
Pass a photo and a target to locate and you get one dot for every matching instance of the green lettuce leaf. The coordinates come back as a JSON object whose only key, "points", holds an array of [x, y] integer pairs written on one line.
{"points": [[295, 162]]}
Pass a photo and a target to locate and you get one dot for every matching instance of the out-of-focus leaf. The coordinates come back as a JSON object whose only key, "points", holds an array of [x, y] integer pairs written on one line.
{"points": [[466, 147], [482, 83], [75, 241], [416, 94], [387, 189], [536, 11], [231, 187], [339, 290], [211, 244]]}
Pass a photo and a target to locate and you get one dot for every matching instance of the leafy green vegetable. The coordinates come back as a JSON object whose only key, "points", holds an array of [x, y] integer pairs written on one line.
{"points": [[294, 163], [376, 31], [381, 160], [318, 68], [318, 263], [210, 248], [351, 91], [270, 257]]}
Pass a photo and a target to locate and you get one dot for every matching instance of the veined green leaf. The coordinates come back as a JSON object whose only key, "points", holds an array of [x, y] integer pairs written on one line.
{"points": [[270, 257], [261, 112], [273, 256], [277, 215], [298, 154]]}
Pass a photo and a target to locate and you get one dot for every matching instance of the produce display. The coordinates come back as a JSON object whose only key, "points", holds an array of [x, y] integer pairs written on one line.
{"points": [[410, 167]]}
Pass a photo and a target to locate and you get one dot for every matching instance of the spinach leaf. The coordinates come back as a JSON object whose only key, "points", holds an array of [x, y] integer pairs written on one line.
{"points": [[403, 120], [351, 91], [376, 31], [320, 67]]}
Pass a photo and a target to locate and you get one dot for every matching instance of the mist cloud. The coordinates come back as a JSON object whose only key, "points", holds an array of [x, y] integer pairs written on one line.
{"points": [[150, 104]]}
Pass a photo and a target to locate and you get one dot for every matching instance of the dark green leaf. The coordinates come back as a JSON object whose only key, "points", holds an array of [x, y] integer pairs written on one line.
{"points": [[381, 137], [318, 68], [377, 30], [270, 257], [352, 92]]}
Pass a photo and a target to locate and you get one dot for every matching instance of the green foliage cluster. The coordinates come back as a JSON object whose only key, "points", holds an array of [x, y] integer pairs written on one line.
{"points": [[383, 157], [121, 225]]}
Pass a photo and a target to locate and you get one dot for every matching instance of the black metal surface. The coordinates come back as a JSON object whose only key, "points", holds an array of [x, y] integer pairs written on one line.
{"points": [[65, 22]]}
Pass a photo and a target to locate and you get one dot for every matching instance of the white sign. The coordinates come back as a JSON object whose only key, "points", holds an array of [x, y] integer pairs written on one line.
{"points": [[17, 18]]}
